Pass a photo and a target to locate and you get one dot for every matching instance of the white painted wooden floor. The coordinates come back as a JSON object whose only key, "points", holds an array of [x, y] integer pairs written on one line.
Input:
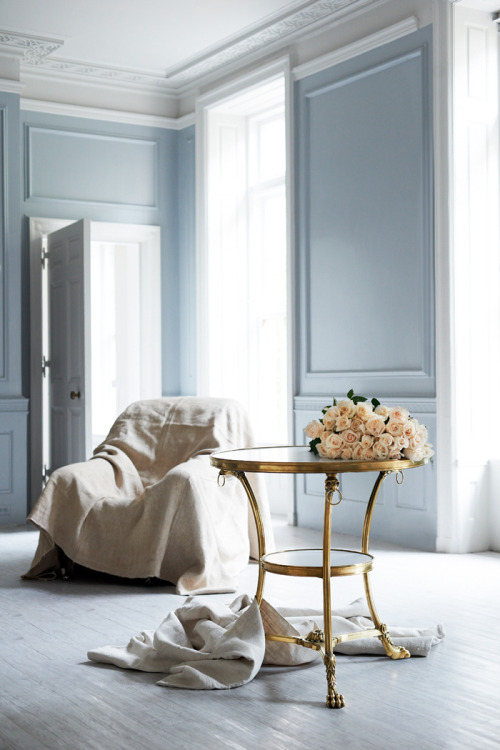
{"points": [[52, 698]]}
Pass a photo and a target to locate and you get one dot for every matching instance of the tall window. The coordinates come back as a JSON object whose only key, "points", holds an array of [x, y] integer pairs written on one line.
{"points": [[245, 331]]}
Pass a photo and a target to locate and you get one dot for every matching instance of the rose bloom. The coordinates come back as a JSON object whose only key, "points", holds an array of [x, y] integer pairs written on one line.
{"points": [[347, 408], [386, 439], [394, 428], [401, 442], [427, 449], [322, 450], [399, 414], [343, 423], [314, 429], [333, 441], [364, 410], [375, 425], [335, 453], [410, 428], [329, 423], [366, 441], [414, 454], [382, 411], [357, 425], [350, 437], [394, 453], [332, 411], [367, 454], [346, 454], [357, 451], [380, 450], [330, 417], [418, 440]]}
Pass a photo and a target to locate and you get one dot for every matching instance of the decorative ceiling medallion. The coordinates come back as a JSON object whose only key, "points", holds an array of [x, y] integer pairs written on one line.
{"points": [[31, 49]]}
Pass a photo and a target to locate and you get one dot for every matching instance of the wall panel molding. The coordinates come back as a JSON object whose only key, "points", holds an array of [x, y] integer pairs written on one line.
{"points": [[317, 403], [6, 463], [3, 244], [13, 442], [67, 166], [366, 270], [366, 44]]}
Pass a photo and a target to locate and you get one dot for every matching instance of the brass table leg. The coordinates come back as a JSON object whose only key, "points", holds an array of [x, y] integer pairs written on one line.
{"points": [[258, 524], [394, 652], [333, 698]]}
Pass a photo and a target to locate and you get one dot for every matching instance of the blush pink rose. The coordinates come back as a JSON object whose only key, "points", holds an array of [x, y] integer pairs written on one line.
{"points": [[410, 428], [386, 439], [399, 414], [343, 423], [414, 454], [366, 441], [330, 417], [380, 450], [382, 411], [394, 428], [418, 440], [314, 429], [333, 442], [375, 425], [347, 408], [357, 424], [364, 410], [350, 437], [346, 454], [357, 452], [427, 449], [401, 442]]}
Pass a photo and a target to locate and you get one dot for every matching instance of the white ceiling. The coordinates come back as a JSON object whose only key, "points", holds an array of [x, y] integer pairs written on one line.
{"points": [[147, 36]]}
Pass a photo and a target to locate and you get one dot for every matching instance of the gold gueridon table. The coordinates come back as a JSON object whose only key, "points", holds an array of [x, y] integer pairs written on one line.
{"points": [[320, 563]]}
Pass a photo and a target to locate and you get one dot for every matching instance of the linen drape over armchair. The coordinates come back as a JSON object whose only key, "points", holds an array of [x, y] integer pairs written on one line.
{"points": [[147, 503]]}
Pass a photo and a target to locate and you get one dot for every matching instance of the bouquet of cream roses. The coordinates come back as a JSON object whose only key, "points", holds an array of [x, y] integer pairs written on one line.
{"points": [[362, 430]]}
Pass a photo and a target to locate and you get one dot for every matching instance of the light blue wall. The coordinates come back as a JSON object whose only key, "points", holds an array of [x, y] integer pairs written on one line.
{"points": [[13, 404], [187, 260], [72, 168], [78, 168], [364, 250], [365, 261]]}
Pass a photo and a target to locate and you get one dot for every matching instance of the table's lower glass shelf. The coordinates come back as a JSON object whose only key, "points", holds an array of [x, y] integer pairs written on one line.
{"points": [[309, 562]]}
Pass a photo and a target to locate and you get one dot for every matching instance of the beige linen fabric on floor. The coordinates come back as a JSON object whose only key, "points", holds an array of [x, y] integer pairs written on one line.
{"points": [[215, 645], [147, 503]]}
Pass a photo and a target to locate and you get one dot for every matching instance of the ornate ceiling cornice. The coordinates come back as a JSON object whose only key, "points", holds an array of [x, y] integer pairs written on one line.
{"points": [[287, 26], [30, 49], [35, 52]]}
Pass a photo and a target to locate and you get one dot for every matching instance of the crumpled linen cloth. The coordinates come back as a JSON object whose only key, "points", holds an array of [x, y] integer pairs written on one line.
{"points": [[147, 504], [215, 645]]}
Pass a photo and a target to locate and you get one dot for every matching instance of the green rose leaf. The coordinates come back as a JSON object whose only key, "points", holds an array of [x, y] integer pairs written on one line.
{"points": [[313, 444]]}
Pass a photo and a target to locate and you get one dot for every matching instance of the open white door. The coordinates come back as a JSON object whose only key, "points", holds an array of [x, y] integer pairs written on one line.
{"points": [[69, 344]]}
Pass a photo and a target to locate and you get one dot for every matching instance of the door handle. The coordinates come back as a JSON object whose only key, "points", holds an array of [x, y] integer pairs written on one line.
{"points": [[74, 395]]}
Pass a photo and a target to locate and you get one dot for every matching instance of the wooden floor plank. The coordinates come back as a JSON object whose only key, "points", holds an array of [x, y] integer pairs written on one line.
{"points": [[52, 698]]}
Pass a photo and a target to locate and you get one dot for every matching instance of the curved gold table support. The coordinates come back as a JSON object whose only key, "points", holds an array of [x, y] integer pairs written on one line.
{"points": [[394, 652], [261, 538], [298, 460]]}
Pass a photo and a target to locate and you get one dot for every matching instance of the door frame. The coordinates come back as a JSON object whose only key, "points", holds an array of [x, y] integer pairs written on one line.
{"points": [[38, 228], [145, 234]]}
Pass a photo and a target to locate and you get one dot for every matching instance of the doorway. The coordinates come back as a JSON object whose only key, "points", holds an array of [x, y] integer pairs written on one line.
{"points": [[121, 353]]}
